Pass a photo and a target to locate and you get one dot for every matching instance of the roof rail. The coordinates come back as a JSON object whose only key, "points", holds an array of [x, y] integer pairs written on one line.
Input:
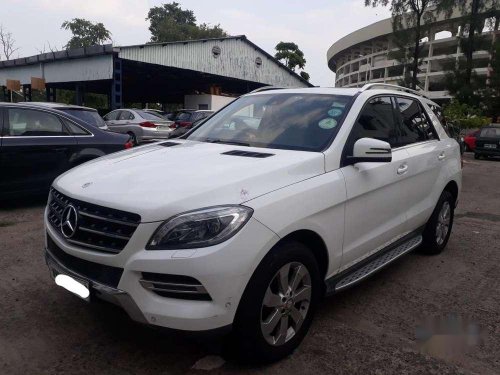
{"points": [[370, 86], [266, 88]]}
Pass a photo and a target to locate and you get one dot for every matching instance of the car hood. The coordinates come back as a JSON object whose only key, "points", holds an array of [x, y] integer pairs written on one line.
{"points": [[158, 181]]}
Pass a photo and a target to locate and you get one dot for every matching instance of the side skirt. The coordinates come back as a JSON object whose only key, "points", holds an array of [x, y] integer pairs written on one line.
{"points": [[374, 263]]}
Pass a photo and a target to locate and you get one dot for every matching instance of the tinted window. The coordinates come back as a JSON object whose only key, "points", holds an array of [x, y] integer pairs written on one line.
{"points": [[276, 120], [28, 122], [150, 116], [75, 129], [415, 126], [126, 115], [112, 116], [90, 117], [376, 121], [490, 133]]}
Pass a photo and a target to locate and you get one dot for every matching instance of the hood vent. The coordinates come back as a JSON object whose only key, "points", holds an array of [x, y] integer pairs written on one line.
{"points": [[168, 144], [248, 154]]}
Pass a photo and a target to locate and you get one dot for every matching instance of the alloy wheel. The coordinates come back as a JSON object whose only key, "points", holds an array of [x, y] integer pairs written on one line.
{"points": [[443, 223], [286, 303]]}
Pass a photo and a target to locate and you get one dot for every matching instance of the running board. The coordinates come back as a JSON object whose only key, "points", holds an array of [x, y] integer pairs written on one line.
{"points": [[373, 266]]}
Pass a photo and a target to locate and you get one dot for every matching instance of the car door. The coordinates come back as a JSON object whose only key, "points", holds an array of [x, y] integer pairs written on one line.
{"points": [[112, 117], [36, 148], [373, 214], [426, 156]]}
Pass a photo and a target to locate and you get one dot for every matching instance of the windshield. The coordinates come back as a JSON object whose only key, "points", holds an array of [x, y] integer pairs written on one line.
{"points": [[149, 115], [287, 121], [490, 133], [90, 117]]}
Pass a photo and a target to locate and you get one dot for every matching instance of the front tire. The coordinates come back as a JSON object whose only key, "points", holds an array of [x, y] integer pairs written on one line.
{"points": [[133, 138], [438, 229], [278, 305]]}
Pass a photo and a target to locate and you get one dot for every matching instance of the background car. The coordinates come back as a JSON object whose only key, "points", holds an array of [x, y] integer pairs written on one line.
{"points": [[39, 143], [89, 115], [488, 142], [470, 140], [138, 124], [181, 130], [186, 118]]}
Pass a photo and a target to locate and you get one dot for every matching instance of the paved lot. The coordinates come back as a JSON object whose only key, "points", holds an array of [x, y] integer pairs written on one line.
{"points": [[371, 329]]}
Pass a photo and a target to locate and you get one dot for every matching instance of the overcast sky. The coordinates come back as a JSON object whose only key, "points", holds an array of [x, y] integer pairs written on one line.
{"points": [[314, 24]]}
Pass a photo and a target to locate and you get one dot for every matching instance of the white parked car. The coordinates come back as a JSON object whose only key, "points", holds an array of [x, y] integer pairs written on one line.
{"points": [[246, 227]]}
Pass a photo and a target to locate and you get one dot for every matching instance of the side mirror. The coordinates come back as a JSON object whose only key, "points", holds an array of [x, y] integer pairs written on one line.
{"points": [[370, 150]]}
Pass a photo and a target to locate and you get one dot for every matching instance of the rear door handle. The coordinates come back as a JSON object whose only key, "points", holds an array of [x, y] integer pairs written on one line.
{"points": [[441, 156], [403, 168]]}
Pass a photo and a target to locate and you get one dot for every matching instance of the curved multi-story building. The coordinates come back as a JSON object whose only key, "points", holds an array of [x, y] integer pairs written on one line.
{"points": [[363, 56]]}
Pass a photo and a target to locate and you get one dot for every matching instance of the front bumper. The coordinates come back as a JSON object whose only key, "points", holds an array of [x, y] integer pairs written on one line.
{"points": [[104, 292], [487, 151], [223, 270]]}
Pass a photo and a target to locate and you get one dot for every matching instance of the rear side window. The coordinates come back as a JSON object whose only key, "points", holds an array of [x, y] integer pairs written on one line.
{"points": [[112, 116], [75, 129], [377, 121], [415, 125], [31, 123]]}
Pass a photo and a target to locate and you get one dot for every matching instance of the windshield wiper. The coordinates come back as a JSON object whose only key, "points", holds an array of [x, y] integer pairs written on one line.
{"points": [[210, 140]]}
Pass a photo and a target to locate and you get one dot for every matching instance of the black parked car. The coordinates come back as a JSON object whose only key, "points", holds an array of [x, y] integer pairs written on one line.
{"points": [[38, 143], [488, 142], [89, 115]]}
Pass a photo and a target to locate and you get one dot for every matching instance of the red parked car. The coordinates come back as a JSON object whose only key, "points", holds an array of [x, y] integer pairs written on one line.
{"points": [[470, 140]]}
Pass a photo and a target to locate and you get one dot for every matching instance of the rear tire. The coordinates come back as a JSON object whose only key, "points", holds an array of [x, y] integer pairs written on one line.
{"points": [[438, 229], [271, 323], [133, 138]]}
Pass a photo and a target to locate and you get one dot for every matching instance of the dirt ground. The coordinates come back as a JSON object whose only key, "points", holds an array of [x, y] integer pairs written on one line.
{"points": [[422, 315]]}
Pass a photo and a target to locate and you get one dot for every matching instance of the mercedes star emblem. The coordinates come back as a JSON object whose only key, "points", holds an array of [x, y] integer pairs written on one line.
{"points": [[69, 221]]}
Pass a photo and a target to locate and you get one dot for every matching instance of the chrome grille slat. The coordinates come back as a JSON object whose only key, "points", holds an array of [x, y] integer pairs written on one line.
{"points": [[112, 235], [99, 228], [107, 219]]}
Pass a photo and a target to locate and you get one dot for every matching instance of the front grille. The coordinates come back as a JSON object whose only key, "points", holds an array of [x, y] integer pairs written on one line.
{"points": [[175, 286], [98, 228], [105, 275]]}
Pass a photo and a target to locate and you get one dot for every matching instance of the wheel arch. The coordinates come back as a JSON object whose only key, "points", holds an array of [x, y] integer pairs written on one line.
{"points": [[314, 242], [452, 187]]}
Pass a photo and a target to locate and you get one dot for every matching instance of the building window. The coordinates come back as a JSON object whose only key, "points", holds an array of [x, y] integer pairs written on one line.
{"points": [[258, 62]]}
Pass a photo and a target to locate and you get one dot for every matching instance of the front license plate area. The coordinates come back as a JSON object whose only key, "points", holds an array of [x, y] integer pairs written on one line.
{"points": [[77, 286]]}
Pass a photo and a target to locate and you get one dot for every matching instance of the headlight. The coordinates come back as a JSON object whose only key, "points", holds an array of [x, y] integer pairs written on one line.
{"points": [[200, 228]]}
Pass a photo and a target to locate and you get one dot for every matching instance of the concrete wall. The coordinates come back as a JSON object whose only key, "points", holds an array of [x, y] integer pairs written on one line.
{"points": [[213, 102]]}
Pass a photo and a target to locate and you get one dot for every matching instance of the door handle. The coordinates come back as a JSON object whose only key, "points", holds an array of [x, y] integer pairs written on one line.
{"points": [[403, 168], [61, 149], [441, 156]]}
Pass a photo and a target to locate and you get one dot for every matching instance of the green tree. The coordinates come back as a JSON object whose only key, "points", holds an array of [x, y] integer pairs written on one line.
{"points": [[290, 54], [305, 75], [85, 33], [169, 22], [409, 23]]}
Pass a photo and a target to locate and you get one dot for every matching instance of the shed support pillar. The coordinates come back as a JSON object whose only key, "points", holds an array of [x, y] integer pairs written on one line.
{"points": [[50, 93], [116, 85], [79, 94], [27, 93]]}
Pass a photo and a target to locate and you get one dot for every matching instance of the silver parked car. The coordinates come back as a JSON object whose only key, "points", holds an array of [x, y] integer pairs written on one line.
{"points": [[139, 124]]}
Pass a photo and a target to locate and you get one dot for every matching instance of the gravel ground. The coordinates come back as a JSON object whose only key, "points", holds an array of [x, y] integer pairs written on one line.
{"points": [[382, 326]]}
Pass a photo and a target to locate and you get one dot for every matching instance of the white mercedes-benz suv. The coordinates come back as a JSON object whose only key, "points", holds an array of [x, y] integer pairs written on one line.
{"points": [[280, 198]]}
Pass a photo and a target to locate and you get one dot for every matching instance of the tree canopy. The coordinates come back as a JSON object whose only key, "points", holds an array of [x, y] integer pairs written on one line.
{"points": [[85, 33], [290, 54], [169, 22]]}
